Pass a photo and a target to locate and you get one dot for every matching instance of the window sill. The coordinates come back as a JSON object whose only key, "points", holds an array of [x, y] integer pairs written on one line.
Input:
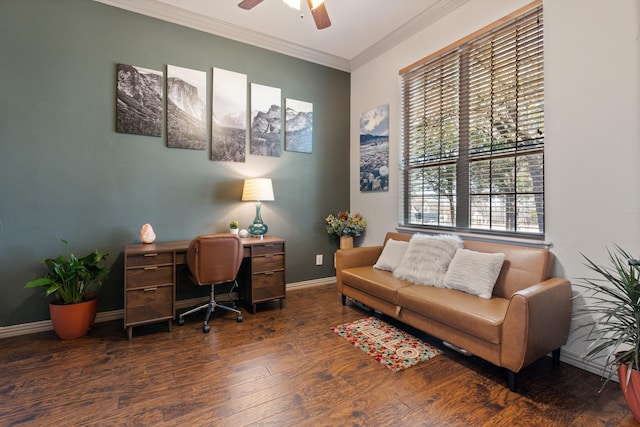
{"points": [[477, 235]]}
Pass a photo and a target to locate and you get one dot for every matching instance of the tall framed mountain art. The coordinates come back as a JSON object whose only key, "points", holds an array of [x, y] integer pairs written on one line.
{"points": [[374, 149], [266, 121], [138, 100], [298, 131], [229, 116], [186, 108]]}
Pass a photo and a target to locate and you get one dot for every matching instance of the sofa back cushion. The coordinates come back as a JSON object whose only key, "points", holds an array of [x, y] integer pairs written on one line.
{"points": [[523, 265]]}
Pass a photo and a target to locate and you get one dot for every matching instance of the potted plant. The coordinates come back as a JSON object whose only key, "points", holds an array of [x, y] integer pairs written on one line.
{"points": [[233, 227], [70, 280], [347, 226], [610, 320]]}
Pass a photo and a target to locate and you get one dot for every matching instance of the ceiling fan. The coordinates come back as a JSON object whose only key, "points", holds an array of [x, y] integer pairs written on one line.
{"points": [[317, 7]]}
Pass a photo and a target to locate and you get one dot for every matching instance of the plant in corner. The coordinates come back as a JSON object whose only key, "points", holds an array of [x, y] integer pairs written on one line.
{"points": [[71, 281], [610, 320]]}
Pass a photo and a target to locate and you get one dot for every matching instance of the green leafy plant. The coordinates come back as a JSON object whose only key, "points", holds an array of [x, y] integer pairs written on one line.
{"points": [[233, 225], [70, 278], [345, 224], [610, 318]]}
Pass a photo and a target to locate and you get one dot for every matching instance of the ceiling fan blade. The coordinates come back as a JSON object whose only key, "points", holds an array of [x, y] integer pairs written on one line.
{"points": [[249, 4], [320, 15]]}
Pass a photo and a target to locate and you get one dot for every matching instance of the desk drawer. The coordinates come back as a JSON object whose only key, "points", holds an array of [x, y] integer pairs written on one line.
{"points": [[153, 303], [149, 276], [268, 248], [267, 262], [149, 259], [268, 286]]}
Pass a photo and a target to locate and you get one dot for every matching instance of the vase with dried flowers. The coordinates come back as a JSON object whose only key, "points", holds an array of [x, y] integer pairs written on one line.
{"points": [[346, 226]]}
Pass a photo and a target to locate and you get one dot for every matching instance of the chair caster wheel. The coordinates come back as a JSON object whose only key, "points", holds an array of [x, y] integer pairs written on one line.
{"points": [[180, 321], [206, 329], [240, 318]]}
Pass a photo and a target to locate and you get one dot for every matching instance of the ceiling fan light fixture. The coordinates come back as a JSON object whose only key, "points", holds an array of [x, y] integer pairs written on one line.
{"points": [[319, 13], [316, 3], [293, 3]]}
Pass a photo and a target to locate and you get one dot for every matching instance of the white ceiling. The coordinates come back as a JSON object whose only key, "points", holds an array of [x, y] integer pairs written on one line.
{"points": [[360, 29]]}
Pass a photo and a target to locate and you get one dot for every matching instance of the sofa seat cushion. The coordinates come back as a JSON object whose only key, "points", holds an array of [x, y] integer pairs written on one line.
{"points": [[482, 318], [380, 283]]}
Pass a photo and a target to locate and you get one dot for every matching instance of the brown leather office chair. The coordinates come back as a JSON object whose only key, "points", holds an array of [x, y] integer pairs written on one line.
{"points": [[213, 259]]}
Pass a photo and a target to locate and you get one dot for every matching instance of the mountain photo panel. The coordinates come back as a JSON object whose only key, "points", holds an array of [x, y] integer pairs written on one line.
{"points": [[298, 126], [138, 100], [266, 121], [186, 108], [229, 116], [374, 149]]}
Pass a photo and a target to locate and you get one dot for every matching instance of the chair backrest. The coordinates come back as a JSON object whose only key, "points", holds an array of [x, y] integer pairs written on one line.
{"points": [[214, 258]]}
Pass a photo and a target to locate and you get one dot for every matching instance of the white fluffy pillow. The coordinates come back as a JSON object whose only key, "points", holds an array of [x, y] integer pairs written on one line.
{"points": [[391, 255], [474, 272], [426, 260]]}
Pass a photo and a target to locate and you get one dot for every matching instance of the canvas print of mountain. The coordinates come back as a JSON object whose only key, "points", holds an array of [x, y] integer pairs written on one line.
{"points": [[138, 100], [298, 126], [374, 149], [266, 121], [229, 116], [186, 108]]}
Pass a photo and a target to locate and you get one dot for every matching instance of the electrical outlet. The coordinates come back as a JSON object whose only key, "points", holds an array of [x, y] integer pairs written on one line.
{"points": [[319, 259]]}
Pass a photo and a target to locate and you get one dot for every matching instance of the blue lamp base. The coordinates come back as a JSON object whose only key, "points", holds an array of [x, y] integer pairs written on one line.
{"points": [[258, 228]]}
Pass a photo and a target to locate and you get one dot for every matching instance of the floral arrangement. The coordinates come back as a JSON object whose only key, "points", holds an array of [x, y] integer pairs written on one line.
{"points": [[345, 224]]}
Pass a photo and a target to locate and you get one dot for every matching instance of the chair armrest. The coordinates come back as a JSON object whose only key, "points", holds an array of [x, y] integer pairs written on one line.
{"points": [[537, 322], [355, 257]]}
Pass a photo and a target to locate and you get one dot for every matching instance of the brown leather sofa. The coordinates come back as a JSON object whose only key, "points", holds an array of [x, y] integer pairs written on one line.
{"points": [[527, 317]]}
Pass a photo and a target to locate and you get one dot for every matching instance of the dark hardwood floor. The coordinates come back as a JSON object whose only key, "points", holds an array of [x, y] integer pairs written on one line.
{"points": [[278, 368]]}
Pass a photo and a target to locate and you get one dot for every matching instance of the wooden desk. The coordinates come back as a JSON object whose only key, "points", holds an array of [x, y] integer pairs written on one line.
{"points": [[150, 278]]}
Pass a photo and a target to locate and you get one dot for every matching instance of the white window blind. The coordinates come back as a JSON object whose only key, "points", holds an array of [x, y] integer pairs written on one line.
{"points": [[473, 132]]}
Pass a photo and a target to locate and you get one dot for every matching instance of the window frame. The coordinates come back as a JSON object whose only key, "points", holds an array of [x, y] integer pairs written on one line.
{"points": [[463, 159]]}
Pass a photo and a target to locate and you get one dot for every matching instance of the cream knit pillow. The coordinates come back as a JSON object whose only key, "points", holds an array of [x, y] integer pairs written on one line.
{"points": [[391, 255], [474, 272]]}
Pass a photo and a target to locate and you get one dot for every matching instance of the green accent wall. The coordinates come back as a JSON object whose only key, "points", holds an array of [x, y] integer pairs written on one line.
{"points": [[66, 174]]}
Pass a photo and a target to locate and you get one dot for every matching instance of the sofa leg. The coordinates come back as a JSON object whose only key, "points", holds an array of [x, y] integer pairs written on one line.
{"points": [[511, 379], [555, 355], [344, 299]]}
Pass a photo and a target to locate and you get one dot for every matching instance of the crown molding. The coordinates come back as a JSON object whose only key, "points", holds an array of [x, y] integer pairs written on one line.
{"points": [[166, 12], [430, 15], [169, 13]]}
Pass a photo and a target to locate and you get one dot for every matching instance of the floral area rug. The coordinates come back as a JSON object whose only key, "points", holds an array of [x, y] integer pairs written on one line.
{"points": [[395, 349]]}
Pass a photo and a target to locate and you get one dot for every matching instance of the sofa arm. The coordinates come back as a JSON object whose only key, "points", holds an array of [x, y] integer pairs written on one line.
{"points": [[355, 257], [537, 322]]}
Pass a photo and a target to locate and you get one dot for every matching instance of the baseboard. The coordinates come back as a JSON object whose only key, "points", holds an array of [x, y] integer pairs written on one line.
{"points": [[595, 368], [311, 283], [106, 316]]}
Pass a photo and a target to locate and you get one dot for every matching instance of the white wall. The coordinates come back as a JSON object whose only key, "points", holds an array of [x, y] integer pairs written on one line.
{"points": [[592, 99]]}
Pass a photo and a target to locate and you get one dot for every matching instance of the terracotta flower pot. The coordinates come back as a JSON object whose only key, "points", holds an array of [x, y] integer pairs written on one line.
{"points": [[630, 390], [73, 320]]}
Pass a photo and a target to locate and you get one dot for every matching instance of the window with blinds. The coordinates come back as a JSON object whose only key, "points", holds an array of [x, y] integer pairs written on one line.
{"points": [[473, 132]]}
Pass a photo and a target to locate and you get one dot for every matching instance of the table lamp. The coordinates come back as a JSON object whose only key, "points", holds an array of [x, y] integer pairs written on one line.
{"points": [[258, 190]]}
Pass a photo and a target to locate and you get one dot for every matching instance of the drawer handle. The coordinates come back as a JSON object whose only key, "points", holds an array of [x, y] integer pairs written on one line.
{"points": [[150, 289], [268, 256], [268, 273], [151, 268], [150, 254]]}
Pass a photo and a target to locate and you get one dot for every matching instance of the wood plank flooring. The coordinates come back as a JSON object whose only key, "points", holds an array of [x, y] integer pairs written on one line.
{"points": [[278, 368]]}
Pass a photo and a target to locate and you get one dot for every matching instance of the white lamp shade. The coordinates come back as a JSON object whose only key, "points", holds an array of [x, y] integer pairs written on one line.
{"points": [[257, 189]]}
